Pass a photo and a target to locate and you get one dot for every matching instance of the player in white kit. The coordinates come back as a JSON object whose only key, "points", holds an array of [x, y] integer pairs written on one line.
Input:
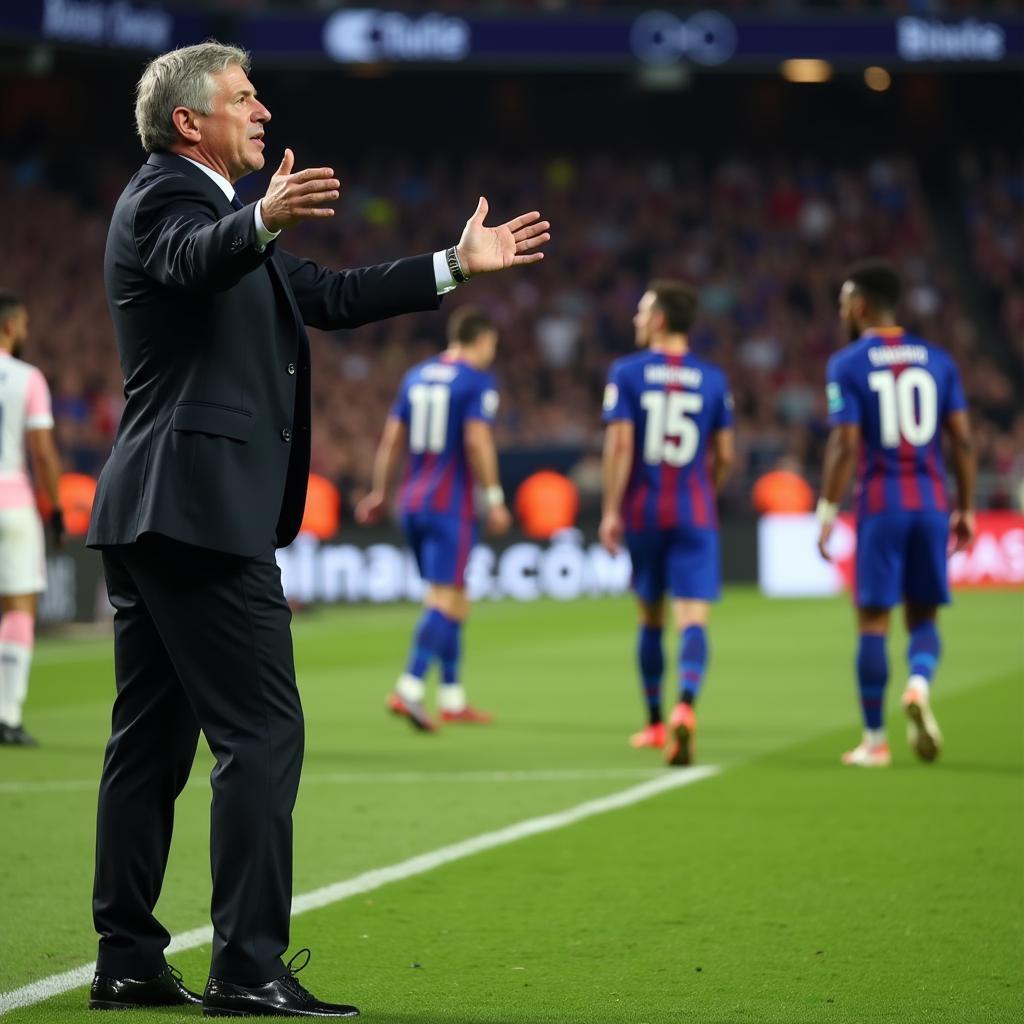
{"points": [[25, 421]]}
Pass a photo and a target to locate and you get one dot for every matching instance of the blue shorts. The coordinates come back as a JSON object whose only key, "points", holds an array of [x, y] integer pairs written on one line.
{"points": [[441, 545], [683, 560], [901, 556]]}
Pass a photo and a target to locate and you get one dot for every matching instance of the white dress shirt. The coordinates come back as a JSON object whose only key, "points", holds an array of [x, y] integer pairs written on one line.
{"points": [[442, 275]]}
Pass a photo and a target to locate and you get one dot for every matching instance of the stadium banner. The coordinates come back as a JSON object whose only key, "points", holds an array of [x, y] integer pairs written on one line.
{"points": [[617, 39], [624, 39], [789, 564], [373, 566], [128, 25]]}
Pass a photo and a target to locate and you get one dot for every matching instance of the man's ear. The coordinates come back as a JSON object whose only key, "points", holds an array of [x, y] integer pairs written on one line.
{"points": [[187, 123]]}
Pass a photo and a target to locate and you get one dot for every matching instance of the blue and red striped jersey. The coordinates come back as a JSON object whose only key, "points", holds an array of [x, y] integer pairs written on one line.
{"points": [[675, 404], [436, 400], [899, 389]]}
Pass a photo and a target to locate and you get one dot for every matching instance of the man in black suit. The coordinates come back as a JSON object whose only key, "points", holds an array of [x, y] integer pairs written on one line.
{"points": [[207, 476]]}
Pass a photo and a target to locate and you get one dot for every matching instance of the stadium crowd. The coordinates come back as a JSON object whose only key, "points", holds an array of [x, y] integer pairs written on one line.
{"points": [[767, 244]]}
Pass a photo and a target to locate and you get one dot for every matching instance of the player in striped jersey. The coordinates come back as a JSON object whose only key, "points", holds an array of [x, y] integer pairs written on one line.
{"points": [[890, 397], [25, 420], [668, 449], [442, 419]]}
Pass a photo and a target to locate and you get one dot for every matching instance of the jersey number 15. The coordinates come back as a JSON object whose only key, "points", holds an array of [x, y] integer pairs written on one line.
{"points": [[671, 436]]}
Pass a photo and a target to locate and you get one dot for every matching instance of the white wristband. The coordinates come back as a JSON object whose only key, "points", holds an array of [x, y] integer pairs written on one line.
{"points": [[494, 495], [826, 512]]}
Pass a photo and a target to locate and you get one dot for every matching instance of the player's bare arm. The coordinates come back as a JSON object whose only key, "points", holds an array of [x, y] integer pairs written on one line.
{"points": [[961, 451], [616, 466], [483, 461], [723, 457], [385, 466], [46, 471], [840, 462]]}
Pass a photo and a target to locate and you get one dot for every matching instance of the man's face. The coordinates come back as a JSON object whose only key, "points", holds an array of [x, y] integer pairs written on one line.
{"points": [[232, 136], [15, 330], [851, 310], [646, 320]]}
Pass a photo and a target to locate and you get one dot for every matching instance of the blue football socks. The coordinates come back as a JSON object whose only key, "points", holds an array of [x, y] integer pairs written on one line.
{"points": [[451, 651], [651, 659], [428, 642], [924, 651], [872, 675], [693, 662]]}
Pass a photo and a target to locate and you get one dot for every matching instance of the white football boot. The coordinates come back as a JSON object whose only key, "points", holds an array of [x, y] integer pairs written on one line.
{"points": [[923, 732]]}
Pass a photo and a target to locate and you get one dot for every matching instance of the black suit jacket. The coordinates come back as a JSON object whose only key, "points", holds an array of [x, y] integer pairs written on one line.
{"points": [[213, 446]]}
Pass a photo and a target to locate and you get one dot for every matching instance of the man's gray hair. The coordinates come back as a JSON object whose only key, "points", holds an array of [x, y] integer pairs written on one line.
{"points": [[180, 78]]}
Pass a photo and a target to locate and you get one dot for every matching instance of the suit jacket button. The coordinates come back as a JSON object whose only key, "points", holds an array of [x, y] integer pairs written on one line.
{"points": [[286, 434], [291, 368]]}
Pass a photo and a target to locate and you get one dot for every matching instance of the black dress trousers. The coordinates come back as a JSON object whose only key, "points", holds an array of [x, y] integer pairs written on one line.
{"points": [[201, 644]]}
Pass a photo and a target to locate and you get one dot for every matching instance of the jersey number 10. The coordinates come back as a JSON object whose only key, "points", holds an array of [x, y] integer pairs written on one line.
{"points": [[908, 406], [671, 435], [428, 419]]}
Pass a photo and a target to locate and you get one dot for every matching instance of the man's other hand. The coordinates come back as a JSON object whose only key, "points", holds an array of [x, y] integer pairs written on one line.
{"points": [[483, 250], [293, 198]]}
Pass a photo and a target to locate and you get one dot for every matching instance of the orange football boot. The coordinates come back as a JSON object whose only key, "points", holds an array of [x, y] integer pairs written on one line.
{"points": [[683, 726], [652, 736]]}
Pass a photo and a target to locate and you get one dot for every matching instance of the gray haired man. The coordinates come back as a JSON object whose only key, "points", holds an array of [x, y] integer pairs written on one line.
{"points": [[207, 476]]}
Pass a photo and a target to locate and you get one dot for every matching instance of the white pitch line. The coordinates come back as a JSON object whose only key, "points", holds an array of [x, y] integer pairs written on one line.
{"points": [[46, 988], [372, 779]]}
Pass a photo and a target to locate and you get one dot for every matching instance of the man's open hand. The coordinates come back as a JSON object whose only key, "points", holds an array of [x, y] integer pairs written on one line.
{"points": [[292, 198], [483, 250]]}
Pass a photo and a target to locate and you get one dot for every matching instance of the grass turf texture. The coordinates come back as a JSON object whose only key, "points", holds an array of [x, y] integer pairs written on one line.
{"points": [[785, 889]]}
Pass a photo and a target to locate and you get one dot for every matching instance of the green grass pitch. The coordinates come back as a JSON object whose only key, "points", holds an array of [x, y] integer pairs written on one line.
{"points": [[786, 888]]}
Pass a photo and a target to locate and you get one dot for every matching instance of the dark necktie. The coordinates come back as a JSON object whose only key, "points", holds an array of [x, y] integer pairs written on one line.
{"points": [[236, 203]]}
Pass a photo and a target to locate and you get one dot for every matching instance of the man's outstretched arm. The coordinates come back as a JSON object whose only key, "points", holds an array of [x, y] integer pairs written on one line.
{"points": [[335, 299]]}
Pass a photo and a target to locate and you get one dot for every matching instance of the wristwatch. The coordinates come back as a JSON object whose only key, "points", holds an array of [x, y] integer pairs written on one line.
{"points": [[451, 255]]}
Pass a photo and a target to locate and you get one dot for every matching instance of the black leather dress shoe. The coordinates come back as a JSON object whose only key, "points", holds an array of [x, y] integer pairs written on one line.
{"points": [[283, 997], [15, 736], [165, 989]]}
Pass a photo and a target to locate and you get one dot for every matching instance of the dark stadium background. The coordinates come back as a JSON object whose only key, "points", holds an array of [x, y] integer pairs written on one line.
{"points": [[759, 189]]}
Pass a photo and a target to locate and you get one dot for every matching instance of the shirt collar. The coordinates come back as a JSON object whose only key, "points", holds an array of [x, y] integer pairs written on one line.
{"points": [[222, 183], [884, 332]]}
